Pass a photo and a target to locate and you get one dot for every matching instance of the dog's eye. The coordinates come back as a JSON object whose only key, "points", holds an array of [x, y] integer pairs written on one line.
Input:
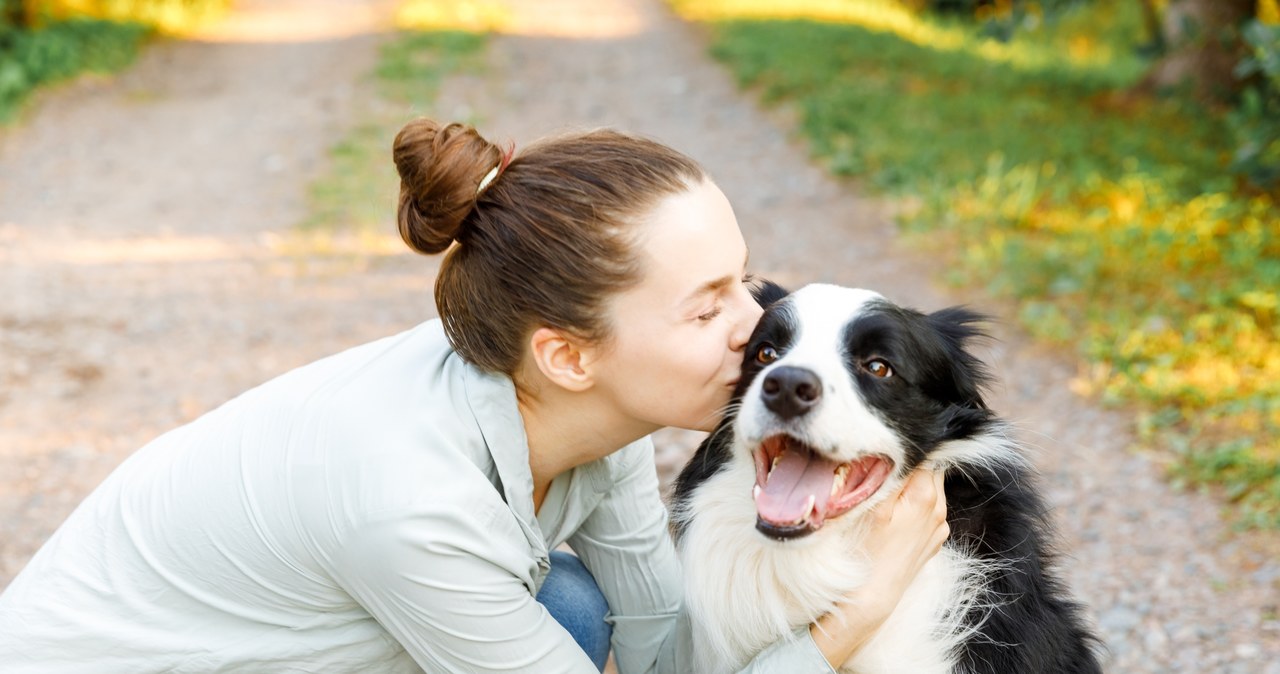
{"points": [[879, 368], [767, 354]]}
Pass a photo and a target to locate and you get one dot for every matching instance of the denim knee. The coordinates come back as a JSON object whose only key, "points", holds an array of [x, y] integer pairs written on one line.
{"points": [[571, 596]]}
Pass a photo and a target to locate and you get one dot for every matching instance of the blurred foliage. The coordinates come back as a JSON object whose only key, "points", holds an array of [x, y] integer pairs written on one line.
{"points": [[1256, 122], [359, 189], [468, 16], [999, 19], [167, 16], [60, 50], [1115, 222], [47, 41]]}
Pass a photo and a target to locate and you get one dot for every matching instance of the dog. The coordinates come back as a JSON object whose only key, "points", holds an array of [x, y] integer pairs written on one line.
{"points": [[843, 394]]}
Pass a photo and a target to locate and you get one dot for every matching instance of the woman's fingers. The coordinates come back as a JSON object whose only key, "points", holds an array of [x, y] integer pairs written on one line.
{"points": [[938, 512], [909, 528], [921, 489], [917, 493], [940, 504], [940, 491]]}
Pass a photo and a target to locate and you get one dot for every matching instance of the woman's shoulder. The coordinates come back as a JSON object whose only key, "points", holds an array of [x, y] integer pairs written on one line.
{"points": [[380, 420], [365, 385], [420, 350]]}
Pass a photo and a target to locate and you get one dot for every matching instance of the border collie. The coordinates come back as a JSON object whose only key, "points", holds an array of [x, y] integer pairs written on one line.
{"points": [[842, 395]]}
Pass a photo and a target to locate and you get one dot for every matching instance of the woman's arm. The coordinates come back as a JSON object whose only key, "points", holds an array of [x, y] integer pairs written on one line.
{"points": [[443, 584], [907, 532], [626, 545]]}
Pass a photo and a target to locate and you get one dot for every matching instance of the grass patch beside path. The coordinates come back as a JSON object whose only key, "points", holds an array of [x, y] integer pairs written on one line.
{"points": [[59, 51], [358, 191], [70, 38], [1113, 222]]}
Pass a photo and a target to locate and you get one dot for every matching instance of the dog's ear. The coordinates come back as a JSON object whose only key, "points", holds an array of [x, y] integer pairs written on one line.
{"points": [[960, 327], [767, 292]]}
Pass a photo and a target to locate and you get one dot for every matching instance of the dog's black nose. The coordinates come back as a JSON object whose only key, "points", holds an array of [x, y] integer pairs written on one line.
{"points": [[791, 391]]}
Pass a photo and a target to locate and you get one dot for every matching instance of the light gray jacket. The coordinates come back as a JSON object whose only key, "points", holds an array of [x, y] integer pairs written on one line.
{"points": [[371, 511]]}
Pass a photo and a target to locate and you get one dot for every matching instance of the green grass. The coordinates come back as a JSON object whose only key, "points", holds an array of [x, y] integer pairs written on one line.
{"points": [[59, 51], [358, 191], [1113, 222], [70, 38]]}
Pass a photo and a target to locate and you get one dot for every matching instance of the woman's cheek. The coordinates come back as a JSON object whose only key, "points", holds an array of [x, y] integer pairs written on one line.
{"points": [[715, 359]]}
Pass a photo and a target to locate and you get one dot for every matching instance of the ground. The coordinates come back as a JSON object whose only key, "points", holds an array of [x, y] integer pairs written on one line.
{"points": [[150, 269]]}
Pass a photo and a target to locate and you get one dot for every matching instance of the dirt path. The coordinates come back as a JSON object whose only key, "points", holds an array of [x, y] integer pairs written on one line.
{"points": [[146, 274], [141, 283]]}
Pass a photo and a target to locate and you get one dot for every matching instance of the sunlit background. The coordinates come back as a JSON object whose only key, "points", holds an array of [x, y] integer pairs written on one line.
{"points": [[1105, 171]]}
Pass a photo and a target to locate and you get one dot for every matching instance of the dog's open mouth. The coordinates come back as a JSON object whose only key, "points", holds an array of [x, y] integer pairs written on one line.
{"points": [[797, 490]]}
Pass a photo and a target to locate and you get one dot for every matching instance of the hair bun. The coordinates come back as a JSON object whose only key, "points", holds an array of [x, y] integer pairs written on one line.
{"points": [[440, 169]]}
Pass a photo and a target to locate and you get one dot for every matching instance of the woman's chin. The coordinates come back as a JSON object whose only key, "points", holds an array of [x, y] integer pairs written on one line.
{"points": [[706, 423], [704, 420], [706, 427]]}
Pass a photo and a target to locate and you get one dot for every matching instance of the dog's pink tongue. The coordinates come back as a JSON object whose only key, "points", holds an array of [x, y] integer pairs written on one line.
{"points": [[784, 497]]}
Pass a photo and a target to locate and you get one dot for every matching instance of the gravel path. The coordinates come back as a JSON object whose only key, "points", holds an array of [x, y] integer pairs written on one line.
{"points": [[146, 274]]}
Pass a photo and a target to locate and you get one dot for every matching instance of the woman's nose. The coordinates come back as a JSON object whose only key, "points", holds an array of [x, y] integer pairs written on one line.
{"points": [[748, 316]]}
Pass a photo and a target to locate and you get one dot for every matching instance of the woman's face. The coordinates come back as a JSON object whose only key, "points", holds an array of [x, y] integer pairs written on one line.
{"points": [[677, 336]]}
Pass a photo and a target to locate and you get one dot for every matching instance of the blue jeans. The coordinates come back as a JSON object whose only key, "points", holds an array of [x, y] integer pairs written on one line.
{"points": [[572, 597]]}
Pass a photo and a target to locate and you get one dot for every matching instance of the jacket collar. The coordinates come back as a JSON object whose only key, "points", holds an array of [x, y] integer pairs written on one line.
{"points": [[492, 398]]}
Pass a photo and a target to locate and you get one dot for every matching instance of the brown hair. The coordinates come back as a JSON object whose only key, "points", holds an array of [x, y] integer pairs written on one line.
{"points": [[543, 244]]}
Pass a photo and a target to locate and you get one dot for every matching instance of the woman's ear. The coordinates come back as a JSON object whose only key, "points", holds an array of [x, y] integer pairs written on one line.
{"points": [[560, 359]]}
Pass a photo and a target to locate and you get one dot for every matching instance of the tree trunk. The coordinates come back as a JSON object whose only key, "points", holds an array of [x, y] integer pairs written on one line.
{"points": [[11, 12], [1202, 38], [1151, 21], [22, 13]]}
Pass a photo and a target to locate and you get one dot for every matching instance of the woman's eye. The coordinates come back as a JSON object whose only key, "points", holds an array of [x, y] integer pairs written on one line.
{"points": [[710, 314], [879, 368], [766, 354]]}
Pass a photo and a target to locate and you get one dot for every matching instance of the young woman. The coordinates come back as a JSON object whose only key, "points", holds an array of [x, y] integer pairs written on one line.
{"points": [[393, 507]]}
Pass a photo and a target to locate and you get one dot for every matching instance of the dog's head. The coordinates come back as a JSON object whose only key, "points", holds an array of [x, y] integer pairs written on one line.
{"points": [[842, 393]]}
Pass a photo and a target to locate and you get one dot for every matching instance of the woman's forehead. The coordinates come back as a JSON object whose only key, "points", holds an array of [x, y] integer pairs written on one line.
{"points": [[694, 231]]}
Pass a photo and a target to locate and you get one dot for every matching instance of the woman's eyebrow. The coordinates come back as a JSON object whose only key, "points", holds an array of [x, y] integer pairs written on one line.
{"points": [[712, 286], [717, 284]]}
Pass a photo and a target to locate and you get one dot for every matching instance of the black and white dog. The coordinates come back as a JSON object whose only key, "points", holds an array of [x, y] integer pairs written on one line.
{"points": [[842, 395]]}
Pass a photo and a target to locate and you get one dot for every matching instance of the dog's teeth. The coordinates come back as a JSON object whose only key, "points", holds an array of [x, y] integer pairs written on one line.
{"points": [[755, 493], [837, 484], [808, 510], [776, 459]]}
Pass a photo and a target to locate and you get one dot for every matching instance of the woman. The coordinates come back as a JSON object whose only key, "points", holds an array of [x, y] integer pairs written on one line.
{"points": [[392, 507]]}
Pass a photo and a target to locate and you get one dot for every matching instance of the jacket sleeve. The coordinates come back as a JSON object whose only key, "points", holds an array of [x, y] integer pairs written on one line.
{"points": [[443, 586], [626, 545]]}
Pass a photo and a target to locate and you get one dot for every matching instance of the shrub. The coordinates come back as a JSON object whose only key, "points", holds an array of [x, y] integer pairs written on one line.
{"points": [[1256, 122], [1114, 222], [30, 58]]}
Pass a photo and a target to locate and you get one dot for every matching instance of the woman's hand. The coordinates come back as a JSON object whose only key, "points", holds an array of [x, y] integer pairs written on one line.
{"points": [[906, 531]]}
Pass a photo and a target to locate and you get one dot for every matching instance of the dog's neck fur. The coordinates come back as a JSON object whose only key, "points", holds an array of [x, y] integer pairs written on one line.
{"points": [[756, 591]]}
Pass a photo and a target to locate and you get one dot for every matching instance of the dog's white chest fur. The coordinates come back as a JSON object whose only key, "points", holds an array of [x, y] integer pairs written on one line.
{"points": [[746, 592]]}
